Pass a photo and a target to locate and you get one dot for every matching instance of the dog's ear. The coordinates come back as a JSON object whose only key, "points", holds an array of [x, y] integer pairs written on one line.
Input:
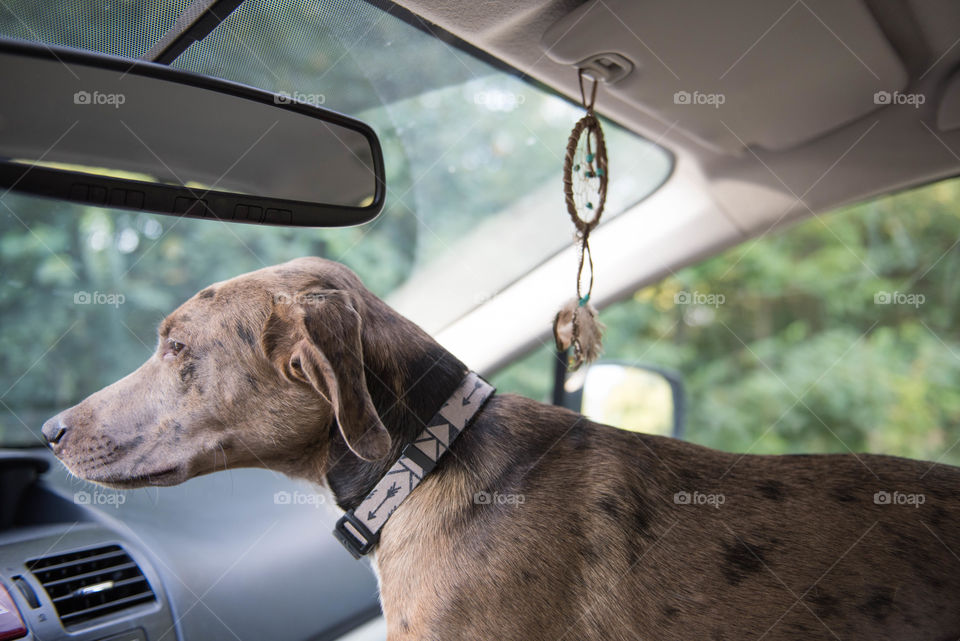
{"points": [[326, 352]]}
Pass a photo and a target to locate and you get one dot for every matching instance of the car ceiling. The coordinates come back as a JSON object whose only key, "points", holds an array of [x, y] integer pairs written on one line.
{"points": [[824, 103], [798, 77]]}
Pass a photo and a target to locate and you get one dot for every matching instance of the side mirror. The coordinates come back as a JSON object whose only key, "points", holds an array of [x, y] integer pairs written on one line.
{"points": [[632, 397], [114, 132]]}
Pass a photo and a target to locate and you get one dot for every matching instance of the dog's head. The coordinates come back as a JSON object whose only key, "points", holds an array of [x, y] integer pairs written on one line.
{"points": [[258, 371]]}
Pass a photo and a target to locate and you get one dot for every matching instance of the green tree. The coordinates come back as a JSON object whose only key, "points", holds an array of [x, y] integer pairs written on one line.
{"points": [[835, 334]]}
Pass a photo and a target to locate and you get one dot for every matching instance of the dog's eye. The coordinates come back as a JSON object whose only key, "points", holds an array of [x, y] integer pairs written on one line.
{"points": [[296, 369], [171, 349]]}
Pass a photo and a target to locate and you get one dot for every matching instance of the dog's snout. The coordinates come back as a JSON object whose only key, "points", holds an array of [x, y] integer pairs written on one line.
{"points": [[54, 430]]}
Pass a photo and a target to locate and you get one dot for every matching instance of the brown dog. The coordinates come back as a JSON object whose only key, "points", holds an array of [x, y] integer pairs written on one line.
{"points": [[538, 524]]}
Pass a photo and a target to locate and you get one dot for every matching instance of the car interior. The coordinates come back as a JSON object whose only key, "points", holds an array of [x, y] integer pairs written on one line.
{"points": [[782, 195]]}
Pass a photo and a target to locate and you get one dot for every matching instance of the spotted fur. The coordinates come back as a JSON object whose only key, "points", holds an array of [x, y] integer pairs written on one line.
{"points": [[602, 534]]}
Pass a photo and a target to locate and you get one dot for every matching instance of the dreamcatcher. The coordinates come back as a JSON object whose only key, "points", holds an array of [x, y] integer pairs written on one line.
{"points": [[585, 192]]}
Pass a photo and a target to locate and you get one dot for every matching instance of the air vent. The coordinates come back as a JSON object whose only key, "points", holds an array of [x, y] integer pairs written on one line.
{"points": [[90, 584]]}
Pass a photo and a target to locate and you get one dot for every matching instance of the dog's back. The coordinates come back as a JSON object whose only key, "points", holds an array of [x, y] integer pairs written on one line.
{"points": [[537, 524], [848, 546], [562, 528]]}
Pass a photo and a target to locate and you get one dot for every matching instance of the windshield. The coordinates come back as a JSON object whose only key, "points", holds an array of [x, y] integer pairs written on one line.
{"points": [[473, 155]]}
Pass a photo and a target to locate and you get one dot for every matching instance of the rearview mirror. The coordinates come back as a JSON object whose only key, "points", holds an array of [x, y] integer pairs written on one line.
{"points": [[114, 132], [632, 397]]}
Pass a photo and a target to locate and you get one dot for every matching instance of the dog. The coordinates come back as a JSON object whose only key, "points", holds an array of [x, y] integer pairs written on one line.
{"points": [[538, 523]]}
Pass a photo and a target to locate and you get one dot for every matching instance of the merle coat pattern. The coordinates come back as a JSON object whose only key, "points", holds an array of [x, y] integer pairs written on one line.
{"points": [[603, 534]]}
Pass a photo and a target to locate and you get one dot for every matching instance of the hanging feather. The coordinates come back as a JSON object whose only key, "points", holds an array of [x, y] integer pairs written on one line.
{"points": [[578, 326]]}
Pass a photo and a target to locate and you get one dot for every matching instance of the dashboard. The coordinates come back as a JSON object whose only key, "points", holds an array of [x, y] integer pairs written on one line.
{"points": [[241, 555]]}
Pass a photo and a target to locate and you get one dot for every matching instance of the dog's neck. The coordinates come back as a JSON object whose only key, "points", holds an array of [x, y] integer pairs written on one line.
{"points": [[409, 377]]}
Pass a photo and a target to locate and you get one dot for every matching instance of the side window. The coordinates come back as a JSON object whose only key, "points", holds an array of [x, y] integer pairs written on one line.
{"points": [[836, 334], [530, 376]]}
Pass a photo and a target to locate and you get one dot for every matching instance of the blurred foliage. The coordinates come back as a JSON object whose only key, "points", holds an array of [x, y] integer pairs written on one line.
{"points": [[836, 334]]}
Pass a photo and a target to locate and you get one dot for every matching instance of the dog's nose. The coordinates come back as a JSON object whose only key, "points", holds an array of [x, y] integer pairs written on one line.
{"points": [[54, 430]]}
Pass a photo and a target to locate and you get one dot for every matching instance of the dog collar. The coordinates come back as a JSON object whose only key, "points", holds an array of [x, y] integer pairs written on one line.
{"points": [[359, 529]]}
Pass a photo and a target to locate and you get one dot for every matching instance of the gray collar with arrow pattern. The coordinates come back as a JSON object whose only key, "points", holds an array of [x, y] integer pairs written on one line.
{"points": [[359, 529]]}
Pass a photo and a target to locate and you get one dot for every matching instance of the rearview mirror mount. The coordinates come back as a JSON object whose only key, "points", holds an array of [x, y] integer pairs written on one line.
{"points": [[114, 132]]}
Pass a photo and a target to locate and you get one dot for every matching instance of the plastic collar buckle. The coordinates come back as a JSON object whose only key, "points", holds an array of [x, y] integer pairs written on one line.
{"points": [[354, 535]]}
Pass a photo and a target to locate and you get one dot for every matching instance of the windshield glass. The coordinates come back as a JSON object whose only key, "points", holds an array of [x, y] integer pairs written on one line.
{"points": [[473, 155]]}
